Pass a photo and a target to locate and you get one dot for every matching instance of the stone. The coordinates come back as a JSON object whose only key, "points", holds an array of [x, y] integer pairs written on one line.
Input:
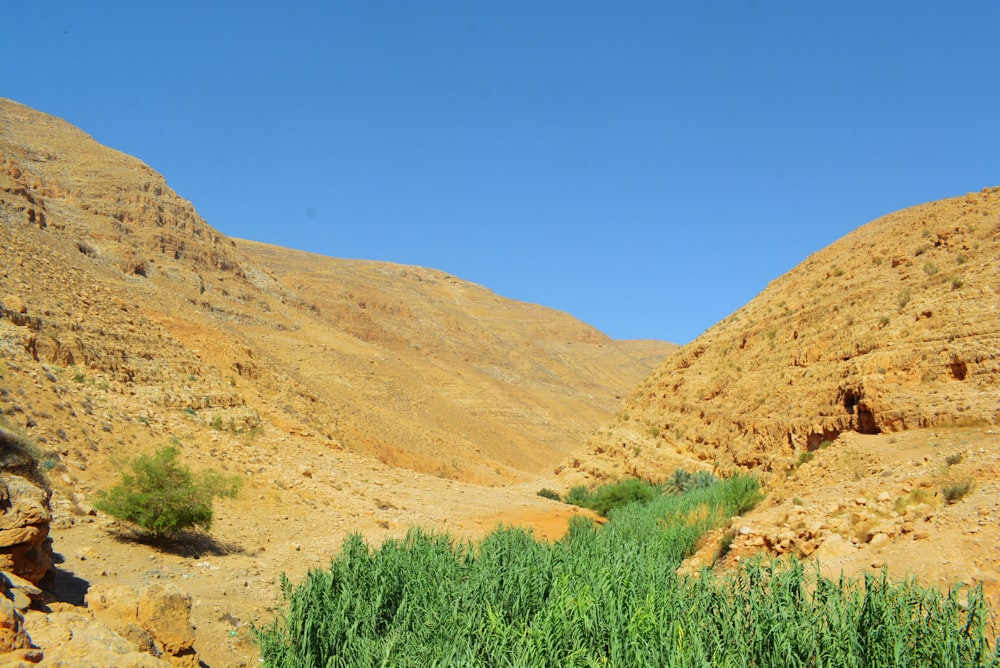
{"points": [[25, 549], [73, 637], [14, 303], [163, 611], [879, 540], [833, 547]]}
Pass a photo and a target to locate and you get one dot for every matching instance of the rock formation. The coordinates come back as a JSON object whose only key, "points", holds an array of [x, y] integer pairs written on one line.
{"points": [[25, 547]]}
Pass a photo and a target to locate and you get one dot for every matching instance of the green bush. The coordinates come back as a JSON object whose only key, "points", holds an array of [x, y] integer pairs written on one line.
{"points": [[547, 493], [613, 495], [162, 497]]}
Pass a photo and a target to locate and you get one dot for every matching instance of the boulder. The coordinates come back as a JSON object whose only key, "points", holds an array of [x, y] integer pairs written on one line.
{"points": [[25, 547], [161, 611]]}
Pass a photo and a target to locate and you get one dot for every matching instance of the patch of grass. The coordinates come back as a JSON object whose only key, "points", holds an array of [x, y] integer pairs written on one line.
{"points": [[611, 596], [930, 268], [547, 493], [805, 457], [954, 458], [904, 296]]}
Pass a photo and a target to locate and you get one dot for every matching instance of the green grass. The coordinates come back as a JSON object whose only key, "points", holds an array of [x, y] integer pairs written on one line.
{"points": [[611, 596]]}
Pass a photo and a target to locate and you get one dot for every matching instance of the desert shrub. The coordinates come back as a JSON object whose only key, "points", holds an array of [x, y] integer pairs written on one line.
{"points": [[955, 491], [162, 497], [578, 495], [682, 481], [620, 493], [547, 493], [952, 459], [805, 457], [606, 498]]}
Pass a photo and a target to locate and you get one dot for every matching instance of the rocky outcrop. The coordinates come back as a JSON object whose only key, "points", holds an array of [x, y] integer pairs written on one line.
{"points": [[73, 637], [894, 327], [25, 514], [158, 618]]}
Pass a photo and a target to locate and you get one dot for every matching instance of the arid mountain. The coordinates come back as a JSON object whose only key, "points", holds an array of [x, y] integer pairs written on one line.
{"points": [[350, 396], [114, 274], [894, 327]]}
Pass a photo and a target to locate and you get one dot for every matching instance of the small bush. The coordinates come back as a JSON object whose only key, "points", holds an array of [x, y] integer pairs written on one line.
{"points": [[682, 482], [547, 493], [578, 496], [164, 498], [805, 457], [953, 459], [954, 492], [904, 296]]}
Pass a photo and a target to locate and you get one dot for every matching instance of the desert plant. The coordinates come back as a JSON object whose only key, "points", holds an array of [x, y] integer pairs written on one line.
{"points": [[954, 492], [547, 493], [954, 458], [162, 497], [682, 481], [904, 296]]}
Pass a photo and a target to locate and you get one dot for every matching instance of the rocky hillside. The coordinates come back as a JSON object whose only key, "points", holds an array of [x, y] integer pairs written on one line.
{"points": [[110, 275], [894, 327], [349, 397]]}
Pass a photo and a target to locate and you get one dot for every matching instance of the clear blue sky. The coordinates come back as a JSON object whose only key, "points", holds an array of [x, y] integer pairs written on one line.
{"points": [[646, 166]]}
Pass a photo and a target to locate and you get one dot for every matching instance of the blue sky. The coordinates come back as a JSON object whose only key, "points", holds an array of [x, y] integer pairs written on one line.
{"points": [[646, 166]]}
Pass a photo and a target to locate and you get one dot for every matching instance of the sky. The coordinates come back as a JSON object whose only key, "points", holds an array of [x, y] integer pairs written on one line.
{"points": [[647, 167]]}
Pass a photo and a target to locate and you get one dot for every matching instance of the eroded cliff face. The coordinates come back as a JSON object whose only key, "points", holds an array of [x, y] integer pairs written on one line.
{"points": [[894, 327]]}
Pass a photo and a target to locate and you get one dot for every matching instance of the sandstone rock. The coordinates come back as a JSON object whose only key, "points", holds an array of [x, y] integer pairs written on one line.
{"points": [[162, 611], [13, 303], [879, 540], [833, 547], [76, 638], [12, 634], [25, 549]]}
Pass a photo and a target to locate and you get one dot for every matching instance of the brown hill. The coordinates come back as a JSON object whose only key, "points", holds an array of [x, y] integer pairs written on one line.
{"points": [[127, 323], [894, 327], [120, 277]]}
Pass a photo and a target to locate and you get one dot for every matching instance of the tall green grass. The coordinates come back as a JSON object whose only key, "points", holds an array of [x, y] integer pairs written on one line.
{"points": [[610, 596]]}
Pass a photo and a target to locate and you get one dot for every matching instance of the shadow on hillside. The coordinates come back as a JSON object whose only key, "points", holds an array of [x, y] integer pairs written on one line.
{"points": [[190, 544], [63, 586]]}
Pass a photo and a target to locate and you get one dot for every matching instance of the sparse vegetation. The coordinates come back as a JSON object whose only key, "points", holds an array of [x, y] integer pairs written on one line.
{"points": [[954, 458], [805, 457], [956, 491], [930, 268], [162, 497], [904, 296], [913, 498], [547, 493]]}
